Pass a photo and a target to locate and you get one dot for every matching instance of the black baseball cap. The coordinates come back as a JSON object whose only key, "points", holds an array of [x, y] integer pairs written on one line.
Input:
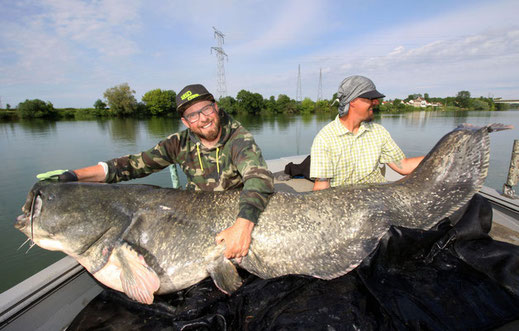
{"points": [[371, 95], [191, 94]]}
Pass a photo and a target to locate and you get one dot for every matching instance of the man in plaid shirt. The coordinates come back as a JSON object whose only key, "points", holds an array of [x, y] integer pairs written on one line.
{"points": [[350, 149]]}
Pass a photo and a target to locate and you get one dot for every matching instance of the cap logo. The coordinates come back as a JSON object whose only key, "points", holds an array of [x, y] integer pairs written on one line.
{"points": [[189, 96]]}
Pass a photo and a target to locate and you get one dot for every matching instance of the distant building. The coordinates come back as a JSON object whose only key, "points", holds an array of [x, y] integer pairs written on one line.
{"points": [[422, 103]]}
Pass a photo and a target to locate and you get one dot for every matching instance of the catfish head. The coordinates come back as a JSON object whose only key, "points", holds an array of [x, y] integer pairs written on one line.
{"points": [[60, 217]]}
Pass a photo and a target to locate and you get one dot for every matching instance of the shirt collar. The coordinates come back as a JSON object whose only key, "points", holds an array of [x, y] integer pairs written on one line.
{"points": [[341, 130]]}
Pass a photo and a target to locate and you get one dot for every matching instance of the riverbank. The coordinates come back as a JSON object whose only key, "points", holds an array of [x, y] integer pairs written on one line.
{"points": [[247, 103]]}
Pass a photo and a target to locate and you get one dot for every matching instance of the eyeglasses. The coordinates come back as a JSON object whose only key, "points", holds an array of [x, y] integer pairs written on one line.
{"points": [[195, 116]]}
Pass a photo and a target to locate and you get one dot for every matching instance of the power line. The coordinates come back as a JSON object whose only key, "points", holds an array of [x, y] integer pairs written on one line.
{"points": [[220, 55]]}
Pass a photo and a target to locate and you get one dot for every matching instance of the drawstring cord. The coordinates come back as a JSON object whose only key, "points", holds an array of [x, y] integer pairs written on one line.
{"points": [[200, 158], [217, 161]]}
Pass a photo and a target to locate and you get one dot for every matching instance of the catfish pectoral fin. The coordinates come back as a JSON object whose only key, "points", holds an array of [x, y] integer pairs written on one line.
{"points": [[138, 280], [224, 274]]}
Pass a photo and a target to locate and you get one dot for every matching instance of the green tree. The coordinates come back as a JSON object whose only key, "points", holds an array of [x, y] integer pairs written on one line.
{"points": [[413, 97], [450, 101], [285, 104], [478, 104], [159, 102], [8, 106], [228, 104], [249, 102], [463, 99], [322, 106], [121, 99], [307, 106], [99, 105], [36, 109], [426, 96], [270, 105]]}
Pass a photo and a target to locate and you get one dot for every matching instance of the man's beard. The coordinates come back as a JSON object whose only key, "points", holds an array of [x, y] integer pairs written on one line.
{"points": [[371, 116], [213, 133]]}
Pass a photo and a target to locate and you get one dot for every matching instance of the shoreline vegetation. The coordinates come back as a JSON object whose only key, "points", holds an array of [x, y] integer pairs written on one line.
{"points": [[120, 101]]}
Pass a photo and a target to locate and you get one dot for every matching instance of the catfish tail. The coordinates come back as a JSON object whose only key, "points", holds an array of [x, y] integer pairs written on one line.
{"points": [[453, 171]]}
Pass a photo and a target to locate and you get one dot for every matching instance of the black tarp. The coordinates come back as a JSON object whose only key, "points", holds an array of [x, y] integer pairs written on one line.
{"points": [[301, 170], [448, 278]]}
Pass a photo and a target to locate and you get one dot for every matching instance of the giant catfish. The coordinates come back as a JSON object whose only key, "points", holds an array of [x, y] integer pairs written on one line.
{"points": [[143, 239]]}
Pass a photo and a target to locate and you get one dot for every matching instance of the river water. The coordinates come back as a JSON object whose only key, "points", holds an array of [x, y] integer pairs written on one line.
{"points": [[29, 148]]}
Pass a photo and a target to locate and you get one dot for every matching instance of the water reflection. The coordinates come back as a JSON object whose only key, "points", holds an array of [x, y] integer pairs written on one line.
{"points": [[38, 126], [103, 125], [160, 127], [125, 129]]}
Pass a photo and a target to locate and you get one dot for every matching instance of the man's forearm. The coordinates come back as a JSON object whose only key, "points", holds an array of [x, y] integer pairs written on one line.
{"points": [[407, 165], [94, 173]]}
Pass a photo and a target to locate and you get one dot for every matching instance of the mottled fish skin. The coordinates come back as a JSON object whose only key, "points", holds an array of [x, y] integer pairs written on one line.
{"points": [[323, 234]]}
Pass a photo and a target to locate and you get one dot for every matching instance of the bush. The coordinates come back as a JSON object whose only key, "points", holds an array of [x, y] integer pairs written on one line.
{"points": [[121, 99], [7, 115], [159, 102], [99, 104], [36, 109], [480, 105]]}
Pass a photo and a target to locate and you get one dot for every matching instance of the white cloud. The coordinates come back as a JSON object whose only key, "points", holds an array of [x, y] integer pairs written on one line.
{"points": [[476, 47], [72, 47], [104, 26], [294, 23], [62, 42]]}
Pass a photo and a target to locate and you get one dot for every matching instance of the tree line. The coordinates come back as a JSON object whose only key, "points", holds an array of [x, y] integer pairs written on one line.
{"points": [[462, 101], [120, 101]]}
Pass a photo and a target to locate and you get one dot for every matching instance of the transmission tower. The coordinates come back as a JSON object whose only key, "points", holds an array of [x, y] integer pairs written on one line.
{"points": [[220, 55], [320, 87], [299, 93]]}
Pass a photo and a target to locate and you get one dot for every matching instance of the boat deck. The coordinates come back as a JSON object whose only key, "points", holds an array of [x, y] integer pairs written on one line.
{"points": [[50, 299]]}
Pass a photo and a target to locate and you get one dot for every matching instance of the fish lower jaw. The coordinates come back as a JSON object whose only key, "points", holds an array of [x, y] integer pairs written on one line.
{"points": [[50, 244]]}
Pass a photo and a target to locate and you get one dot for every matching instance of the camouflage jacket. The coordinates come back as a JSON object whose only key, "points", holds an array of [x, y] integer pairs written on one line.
{"points": [[234, 162]]}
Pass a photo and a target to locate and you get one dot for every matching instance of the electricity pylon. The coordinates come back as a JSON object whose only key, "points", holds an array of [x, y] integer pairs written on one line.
{"points": [[220, 55], [299, 93], [320, 87]]}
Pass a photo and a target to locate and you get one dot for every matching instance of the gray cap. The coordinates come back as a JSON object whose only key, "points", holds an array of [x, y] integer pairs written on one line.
{"points": [[355, 87]]}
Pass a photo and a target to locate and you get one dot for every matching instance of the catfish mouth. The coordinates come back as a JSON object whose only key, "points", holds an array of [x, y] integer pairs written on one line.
{"points": [[32, 210]]}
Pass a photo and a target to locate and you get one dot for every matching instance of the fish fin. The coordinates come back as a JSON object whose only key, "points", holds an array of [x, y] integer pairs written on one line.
{"points": [[490, 128], [224, 274], [138, 280]]}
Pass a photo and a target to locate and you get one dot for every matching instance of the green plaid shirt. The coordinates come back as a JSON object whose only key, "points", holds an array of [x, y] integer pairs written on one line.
{"points": [[347, 158]]}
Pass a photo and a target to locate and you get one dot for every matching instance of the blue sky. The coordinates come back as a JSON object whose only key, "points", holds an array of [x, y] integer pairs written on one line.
{"points": [[69, 52]]}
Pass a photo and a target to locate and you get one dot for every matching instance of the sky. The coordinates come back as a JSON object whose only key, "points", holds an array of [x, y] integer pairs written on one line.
{"points": [[69, 52]]}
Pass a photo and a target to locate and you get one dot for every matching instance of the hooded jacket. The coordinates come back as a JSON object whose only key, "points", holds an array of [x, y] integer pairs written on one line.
{"points": [[235, 162]]}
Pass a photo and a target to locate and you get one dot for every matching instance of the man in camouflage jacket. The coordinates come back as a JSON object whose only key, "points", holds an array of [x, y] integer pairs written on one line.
{"points": [[215, 152]]}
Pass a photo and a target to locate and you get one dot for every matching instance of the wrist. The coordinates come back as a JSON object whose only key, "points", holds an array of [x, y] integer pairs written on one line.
{"points": [[68, 176], [244, 223]]}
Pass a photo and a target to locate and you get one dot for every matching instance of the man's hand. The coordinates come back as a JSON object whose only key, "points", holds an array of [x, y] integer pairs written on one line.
{"points": [[58, 175], [237, 239], [321, 184]]}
